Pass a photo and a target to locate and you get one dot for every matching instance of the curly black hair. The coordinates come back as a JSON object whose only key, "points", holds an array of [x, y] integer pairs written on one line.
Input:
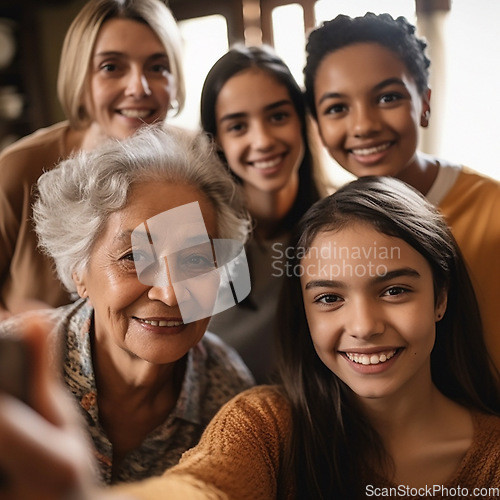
{"points": [[398, 35]]}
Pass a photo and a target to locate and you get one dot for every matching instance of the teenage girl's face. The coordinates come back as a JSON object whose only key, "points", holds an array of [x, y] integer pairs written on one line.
{"points": [[369, 110], [369, 302], [259, 130], [130, 80]]}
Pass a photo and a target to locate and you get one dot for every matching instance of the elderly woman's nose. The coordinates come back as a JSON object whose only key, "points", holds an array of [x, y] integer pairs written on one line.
{"points": [[165, 293], [163, 288]]}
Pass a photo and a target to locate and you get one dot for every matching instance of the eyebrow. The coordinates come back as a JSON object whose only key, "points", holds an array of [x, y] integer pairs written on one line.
{"points": [[378, 86], [195, 240], [324, 284], [115, 53], [405, 272], [190, 241], [269, 107], [125, 236], [390, 275]]}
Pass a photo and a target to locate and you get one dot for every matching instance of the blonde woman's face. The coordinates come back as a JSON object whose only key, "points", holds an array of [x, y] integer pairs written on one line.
{"points": [[130, 79]]}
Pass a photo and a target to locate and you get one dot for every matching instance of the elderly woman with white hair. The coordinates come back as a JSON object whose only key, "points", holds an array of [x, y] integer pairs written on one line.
{"points": [[147, 231]]}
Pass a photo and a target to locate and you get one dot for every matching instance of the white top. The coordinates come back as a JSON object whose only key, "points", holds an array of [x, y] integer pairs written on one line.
{"points": [[445, 180]]}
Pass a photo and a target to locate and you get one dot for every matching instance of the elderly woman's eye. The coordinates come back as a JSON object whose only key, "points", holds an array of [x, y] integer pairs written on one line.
{"points": [[136, 256], [191, 265], [197, 262]]}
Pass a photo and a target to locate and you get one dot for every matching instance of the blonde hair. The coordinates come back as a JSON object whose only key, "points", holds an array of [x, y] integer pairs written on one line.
{"points": [[79, 44]]}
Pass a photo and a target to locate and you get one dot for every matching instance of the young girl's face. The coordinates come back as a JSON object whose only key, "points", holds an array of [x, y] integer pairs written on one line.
{"points": [[259, 130], [369, 302], [369, 110]]}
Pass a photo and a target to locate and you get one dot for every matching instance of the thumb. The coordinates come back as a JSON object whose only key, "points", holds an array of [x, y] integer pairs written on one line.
{"points": [[45, 390]]}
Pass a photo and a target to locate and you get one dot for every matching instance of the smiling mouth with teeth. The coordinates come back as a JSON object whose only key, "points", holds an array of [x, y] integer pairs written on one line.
{"points": [[135, 113], [371, 359], [370, 151], [161, 323], [262, 165]]}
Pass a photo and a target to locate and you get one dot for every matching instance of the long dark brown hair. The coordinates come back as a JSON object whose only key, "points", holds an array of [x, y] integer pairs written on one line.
{"points": [[332, 442], [240, 58]]}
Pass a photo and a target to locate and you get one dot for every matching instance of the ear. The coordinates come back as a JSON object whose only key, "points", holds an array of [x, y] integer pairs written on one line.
{"points": [[441, 303], [426, 108], [80, 285]]}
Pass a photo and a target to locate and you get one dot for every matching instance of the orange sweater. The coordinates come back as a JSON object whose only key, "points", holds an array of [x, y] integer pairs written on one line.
{"points": [[239, 456], [472, 209], [25, 273]]}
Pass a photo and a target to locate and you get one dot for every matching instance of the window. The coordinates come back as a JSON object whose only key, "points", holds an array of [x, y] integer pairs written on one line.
{"points": [[289, 37], [205, 41], [471, 110]]}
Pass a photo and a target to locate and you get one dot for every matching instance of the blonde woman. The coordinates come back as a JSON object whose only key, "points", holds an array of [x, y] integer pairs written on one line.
{"points": [[120, 68]]}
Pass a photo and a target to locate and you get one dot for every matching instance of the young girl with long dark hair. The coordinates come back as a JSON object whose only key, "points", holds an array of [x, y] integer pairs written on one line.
{"points": [[253, 109]]}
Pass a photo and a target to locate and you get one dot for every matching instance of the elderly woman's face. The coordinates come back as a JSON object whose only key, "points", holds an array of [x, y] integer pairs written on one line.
{"points": [[130, 79], [134, 317]]}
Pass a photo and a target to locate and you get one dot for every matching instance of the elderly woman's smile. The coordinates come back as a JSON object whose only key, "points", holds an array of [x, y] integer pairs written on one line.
{"points": [[133, 318]]}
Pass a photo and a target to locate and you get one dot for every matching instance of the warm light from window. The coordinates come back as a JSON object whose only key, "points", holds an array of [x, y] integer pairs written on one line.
{"points": [[289, 37], [205, 41]]}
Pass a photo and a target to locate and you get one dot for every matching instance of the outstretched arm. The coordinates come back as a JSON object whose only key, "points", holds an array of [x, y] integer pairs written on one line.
{"points": [[238, 456], [43, 450]]}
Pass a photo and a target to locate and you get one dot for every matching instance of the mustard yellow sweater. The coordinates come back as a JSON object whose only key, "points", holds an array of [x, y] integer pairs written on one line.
{"points": [[239, 456], [472, 210]]}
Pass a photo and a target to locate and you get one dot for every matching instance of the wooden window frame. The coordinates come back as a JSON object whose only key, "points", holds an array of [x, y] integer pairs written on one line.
{"points": [[232, 10]]}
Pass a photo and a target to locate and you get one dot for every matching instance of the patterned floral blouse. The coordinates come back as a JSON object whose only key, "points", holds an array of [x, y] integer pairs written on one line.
{"points": [[214, 374]]}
